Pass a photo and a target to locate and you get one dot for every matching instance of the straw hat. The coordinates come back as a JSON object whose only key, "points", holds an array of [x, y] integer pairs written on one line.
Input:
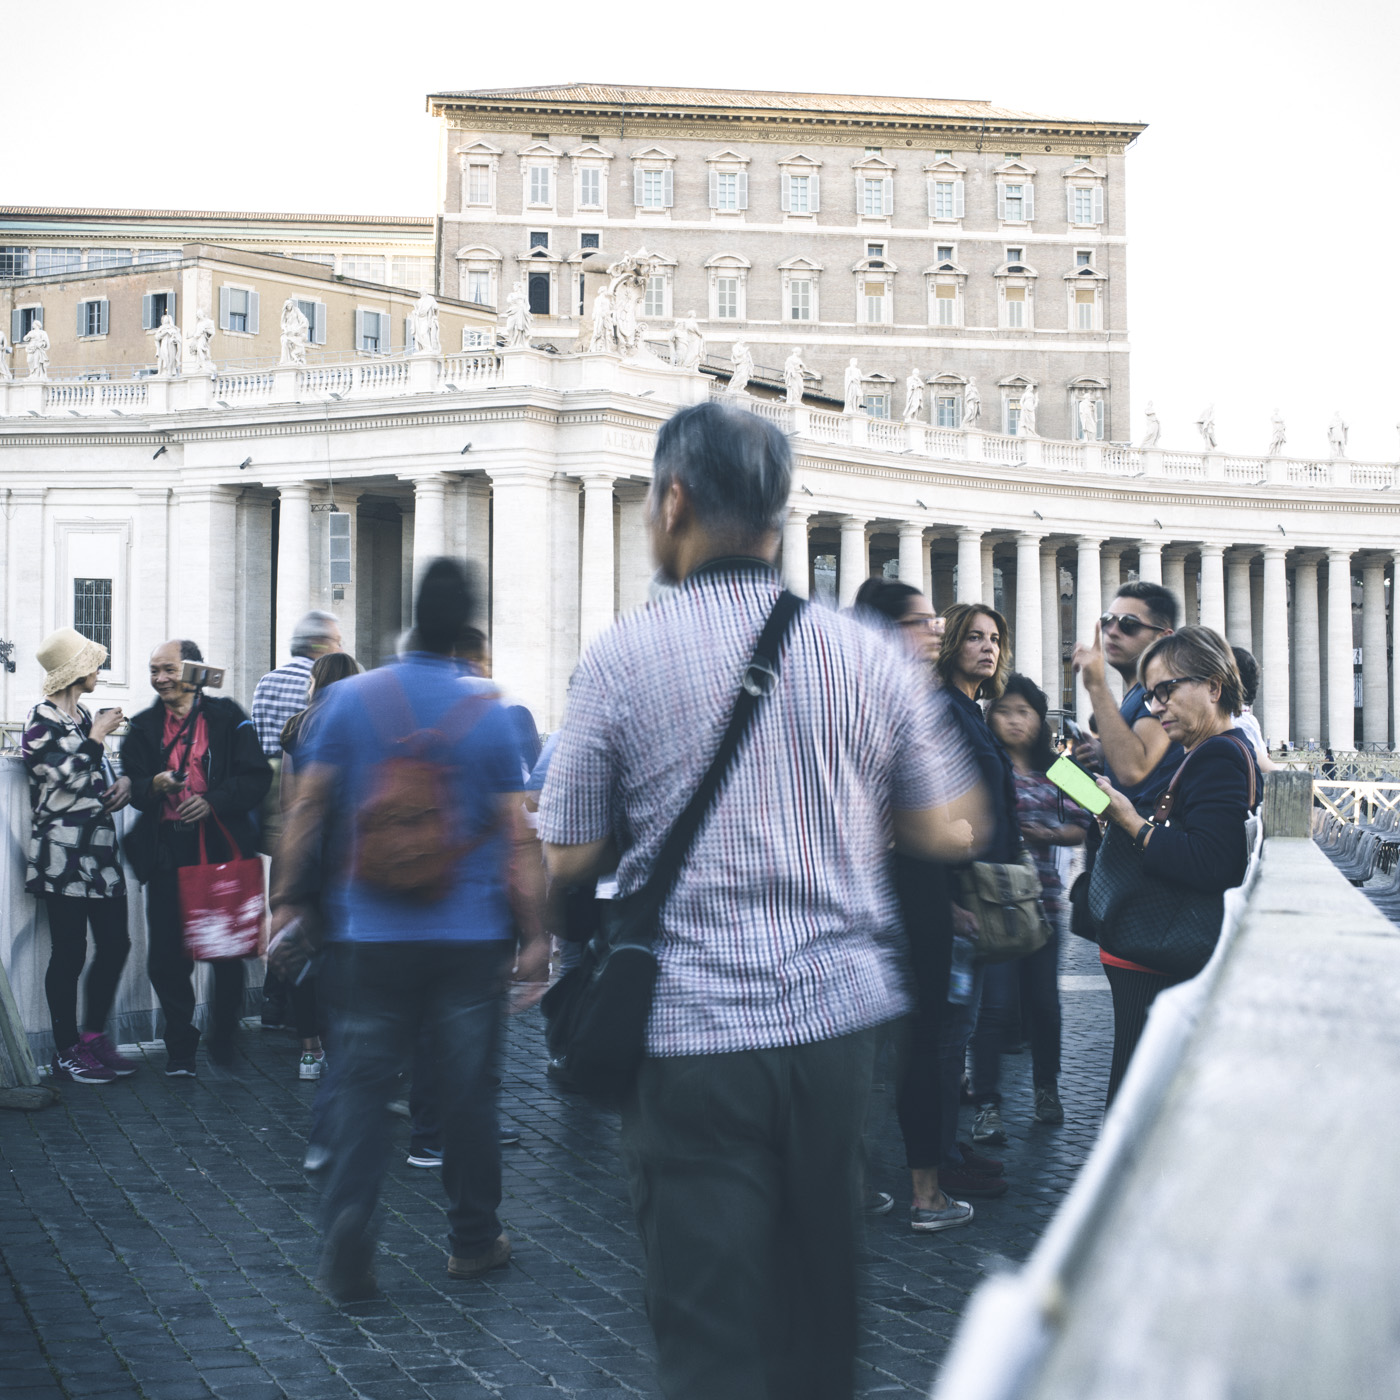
{"points": [[67, 656]]}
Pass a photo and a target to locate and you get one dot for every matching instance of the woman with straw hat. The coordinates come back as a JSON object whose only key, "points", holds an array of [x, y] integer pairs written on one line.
{"points": [[73, 863]]}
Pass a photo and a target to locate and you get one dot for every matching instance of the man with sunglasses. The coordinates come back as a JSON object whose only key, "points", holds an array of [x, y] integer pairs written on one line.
{"points": [[1139, 757]]}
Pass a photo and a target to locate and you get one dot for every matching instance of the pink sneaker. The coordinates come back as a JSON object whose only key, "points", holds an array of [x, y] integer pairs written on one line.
{"points": [[99, 1045], [78, 1064]]}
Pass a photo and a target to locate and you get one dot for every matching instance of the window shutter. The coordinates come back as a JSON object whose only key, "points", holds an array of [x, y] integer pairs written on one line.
{"points": [[714, 189], [887, 206], [930, 198], [408, 341], [1069, 204], [860, 195], [785, 192], [223, 310], [14, 327], [743, 189], [386, 333], [1098, 204], [814, 201], [1098, 417], [637, 186], [252, 313], [103, 307], [1028, 209], [170, 306], [957, 199], [359, 329], [318, 324], [82, 317], [668, 196], [1001, 202]]}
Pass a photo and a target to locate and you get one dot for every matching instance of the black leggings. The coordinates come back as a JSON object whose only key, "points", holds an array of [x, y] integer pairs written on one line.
{"points": [[69, 918], [1133, 995]]}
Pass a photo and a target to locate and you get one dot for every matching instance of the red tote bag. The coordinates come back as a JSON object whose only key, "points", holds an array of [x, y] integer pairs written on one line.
{"points": [[221, 905]]}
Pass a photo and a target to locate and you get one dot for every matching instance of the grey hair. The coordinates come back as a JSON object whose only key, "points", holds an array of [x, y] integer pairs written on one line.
{"points": [[316, 626], [735, 466]]}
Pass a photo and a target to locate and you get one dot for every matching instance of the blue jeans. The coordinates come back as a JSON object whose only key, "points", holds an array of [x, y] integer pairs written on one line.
{"points": [[382, 994], [1030, 984]]}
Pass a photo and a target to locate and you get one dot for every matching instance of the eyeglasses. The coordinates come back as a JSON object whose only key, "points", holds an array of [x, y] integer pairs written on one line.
{"points": [[934, 624], [1127, 624], [1162, 691]]}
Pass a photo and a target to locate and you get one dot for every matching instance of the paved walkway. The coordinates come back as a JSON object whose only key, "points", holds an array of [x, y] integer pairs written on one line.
{"points": [[158, 1241]]}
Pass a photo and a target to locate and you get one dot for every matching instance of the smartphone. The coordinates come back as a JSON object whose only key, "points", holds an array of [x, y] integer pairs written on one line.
{"points": [[1073, 781], [195, 673]]}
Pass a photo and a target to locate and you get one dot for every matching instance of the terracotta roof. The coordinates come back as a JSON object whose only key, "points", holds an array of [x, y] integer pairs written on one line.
{"points": [[54, 211], [615, 95]]}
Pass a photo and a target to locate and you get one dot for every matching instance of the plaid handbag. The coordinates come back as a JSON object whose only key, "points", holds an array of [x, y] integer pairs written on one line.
{"points": [[1145, 919]]}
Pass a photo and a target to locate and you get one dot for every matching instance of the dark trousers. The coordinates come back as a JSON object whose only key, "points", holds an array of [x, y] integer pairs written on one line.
{"points": [[305, 1010], [69, 918], [171, 971], [1028, 986], [381, 994], [744, 1171], [959, 1021], [1133, 995]]}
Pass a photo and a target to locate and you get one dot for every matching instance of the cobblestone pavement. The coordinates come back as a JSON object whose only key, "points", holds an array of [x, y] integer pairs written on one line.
{"points": [[158, 1241]]}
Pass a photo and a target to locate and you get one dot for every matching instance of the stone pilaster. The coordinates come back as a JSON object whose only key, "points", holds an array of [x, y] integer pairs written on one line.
{"points": [[853, 567], [1307, 657], [969, 580], [1341, 697], [1274, 662], [293, 563], [1029, 615]]}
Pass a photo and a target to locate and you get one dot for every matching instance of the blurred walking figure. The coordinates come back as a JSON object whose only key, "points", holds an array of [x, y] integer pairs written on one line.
{"points": [[412, 787], [777, 949]]}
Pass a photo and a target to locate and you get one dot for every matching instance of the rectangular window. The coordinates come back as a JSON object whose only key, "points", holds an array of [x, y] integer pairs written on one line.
{"points": [[339, 547], [320, 259], [92, 318], [590, 187], [92, 613], [539, 184], [238, 299], [1083, 258], [1084, 299], [1016, 307], [23, 319], [877, 405], [875, 303], [872, 199], [653, 189], [799, 194], [366, 267], [943, 155], [949, 411], [108, 257], [945, 253], [1013, 203], [315, 313], [373, 328], [155, 305], [539, 238], [478, 184], [157, 255], [874, 250], [413, 273], [943, 199], [655, 303], [588, 240], [727, 190], [14, 262], [1083, 206], [946, 301], [800, 299], [727, 298], [479, 287], [1013, 417], [48, 260], [1014, 255], [874, 150]]}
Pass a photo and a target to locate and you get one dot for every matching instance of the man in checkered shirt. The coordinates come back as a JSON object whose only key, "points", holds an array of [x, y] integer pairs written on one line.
{"points": [[779, 951], [282, 693]]}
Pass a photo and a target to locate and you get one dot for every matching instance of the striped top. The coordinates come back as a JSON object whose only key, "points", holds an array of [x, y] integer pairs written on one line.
{"points": [[784, 927]]}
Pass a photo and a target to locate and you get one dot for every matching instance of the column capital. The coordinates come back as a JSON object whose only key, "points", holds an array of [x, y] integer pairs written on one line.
{"points": [[1149, 546], [1241, 553], [1112, 551], [28, 495], [1094, 542], [291, 490], [911, 529], [520, 474], [1338, 553], [1275, 551], [850, 522], [427, 479], [1028, 538], [970, 532], [595, 479], [1215, 551]]}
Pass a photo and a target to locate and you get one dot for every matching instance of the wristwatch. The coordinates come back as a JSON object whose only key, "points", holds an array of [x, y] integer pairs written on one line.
{"points": [[1144, 831]]}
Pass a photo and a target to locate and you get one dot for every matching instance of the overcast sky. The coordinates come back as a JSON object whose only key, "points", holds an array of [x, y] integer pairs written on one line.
{"points": [[1262, 199]]}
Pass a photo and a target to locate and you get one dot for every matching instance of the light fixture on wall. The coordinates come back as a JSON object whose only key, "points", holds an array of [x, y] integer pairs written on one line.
{"points": [[223, 403], [1283, 532], [806, 488], [245, 463], [1156, 522], [465, 450], [919, 503], [160, 451], [646, 393], [1037, 515]]}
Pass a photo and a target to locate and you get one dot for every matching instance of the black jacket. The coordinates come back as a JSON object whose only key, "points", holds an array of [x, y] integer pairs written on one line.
{"points": [[998, 777], [237, 774]]}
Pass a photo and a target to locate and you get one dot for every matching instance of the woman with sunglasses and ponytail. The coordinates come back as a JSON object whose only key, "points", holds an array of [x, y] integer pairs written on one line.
{"points": [[1192, 686]]}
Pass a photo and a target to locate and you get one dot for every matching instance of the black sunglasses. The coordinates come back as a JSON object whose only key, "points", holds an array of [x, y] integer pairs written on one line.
{"points": [[1127, 624], [1162, 691]]}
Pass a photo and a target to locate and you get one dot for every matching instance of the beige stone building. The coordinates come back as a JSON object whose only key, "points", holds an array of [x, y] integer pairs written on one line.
{"points": [[967, 241]]}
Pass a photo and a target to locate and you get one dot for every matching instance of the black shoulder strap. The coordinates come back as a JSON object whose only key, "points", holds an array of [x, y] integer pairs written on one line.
{"points": [[759, 679]]}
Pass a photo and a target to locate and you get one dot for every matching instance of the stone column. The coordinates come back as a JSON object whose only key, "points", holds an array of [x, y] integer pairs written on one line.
{"points": [[1307, 659], [1051, 663], [429, 522], [1110, 573], [206, 545], [941, 571], [1341, 699], [1088, 603], [1149, 561], [1174, 578], [28, 603], [1256, 605], [1395, 647], [988, 595], [293, 563], [911, 554], [1375, 676], [597, 574], [1190, 594], [853, 567], [521, 569], [1029, 635], [1239, 623], [1273, 717], [150, 562], [797, 552], [1213, 587], [634, 561], [926, 560], [969, 580]]}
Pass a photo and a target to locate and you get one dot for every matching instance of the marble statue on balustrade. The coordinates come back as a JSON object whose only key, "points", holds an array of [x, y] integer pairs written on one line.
{"points": [[423, 322], [296, 331], [1205, 425], [6, 350], [617, 309], [1337, 432], [520, 323], [1277, 435], [795, 376], [168, 343], [1089, 419], [602, 337], [852, 387], [972, 405], [1030, 402], [687, 342], [1153, 435], [742, 357], [36, 346], [200, 340], [913, 397]]}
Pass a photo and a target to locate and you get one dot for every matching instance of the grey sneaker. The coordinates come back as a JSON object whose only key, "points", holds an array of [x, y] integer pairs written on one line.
{"points": [[926, 1222], [1048, 1108], [988, 1130]]}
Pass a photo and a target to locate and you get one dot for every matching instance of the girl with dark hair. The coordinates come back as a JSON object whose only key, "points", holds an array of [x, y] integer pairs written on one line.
{"points": [[1048, 820]]}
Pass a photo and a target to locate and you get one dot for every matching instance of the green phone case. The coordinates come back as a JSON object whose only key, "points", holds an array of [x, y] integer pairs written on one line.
{"points": [[1074, 782]]}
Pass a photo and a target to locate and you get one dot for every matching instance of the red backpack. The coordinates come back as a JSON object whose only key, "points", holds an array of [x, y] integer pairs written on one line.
{"points": [[408, 831]]}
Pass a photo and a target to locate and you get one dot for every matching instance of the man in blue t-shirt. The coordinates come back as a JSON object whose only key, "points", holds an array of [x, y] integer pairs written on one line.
{"points": [[435, 958], [1138, 756]]}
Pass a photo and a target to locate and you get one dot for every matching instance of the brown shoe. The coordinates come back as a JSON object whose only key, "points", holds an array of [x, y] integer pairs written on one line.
{"points": [[497, 1257], [346, 1271]]}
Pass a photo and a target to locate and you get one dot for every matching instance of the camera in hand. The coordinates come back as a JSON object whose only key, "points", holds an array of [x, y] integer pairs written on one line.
{"points": [[198, 676]]}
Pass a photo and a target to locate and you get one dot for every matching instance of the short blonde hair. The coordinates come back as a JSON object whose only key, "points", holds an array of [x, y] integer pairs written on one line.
{"points": [[957, 623], [1198, 651]]}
